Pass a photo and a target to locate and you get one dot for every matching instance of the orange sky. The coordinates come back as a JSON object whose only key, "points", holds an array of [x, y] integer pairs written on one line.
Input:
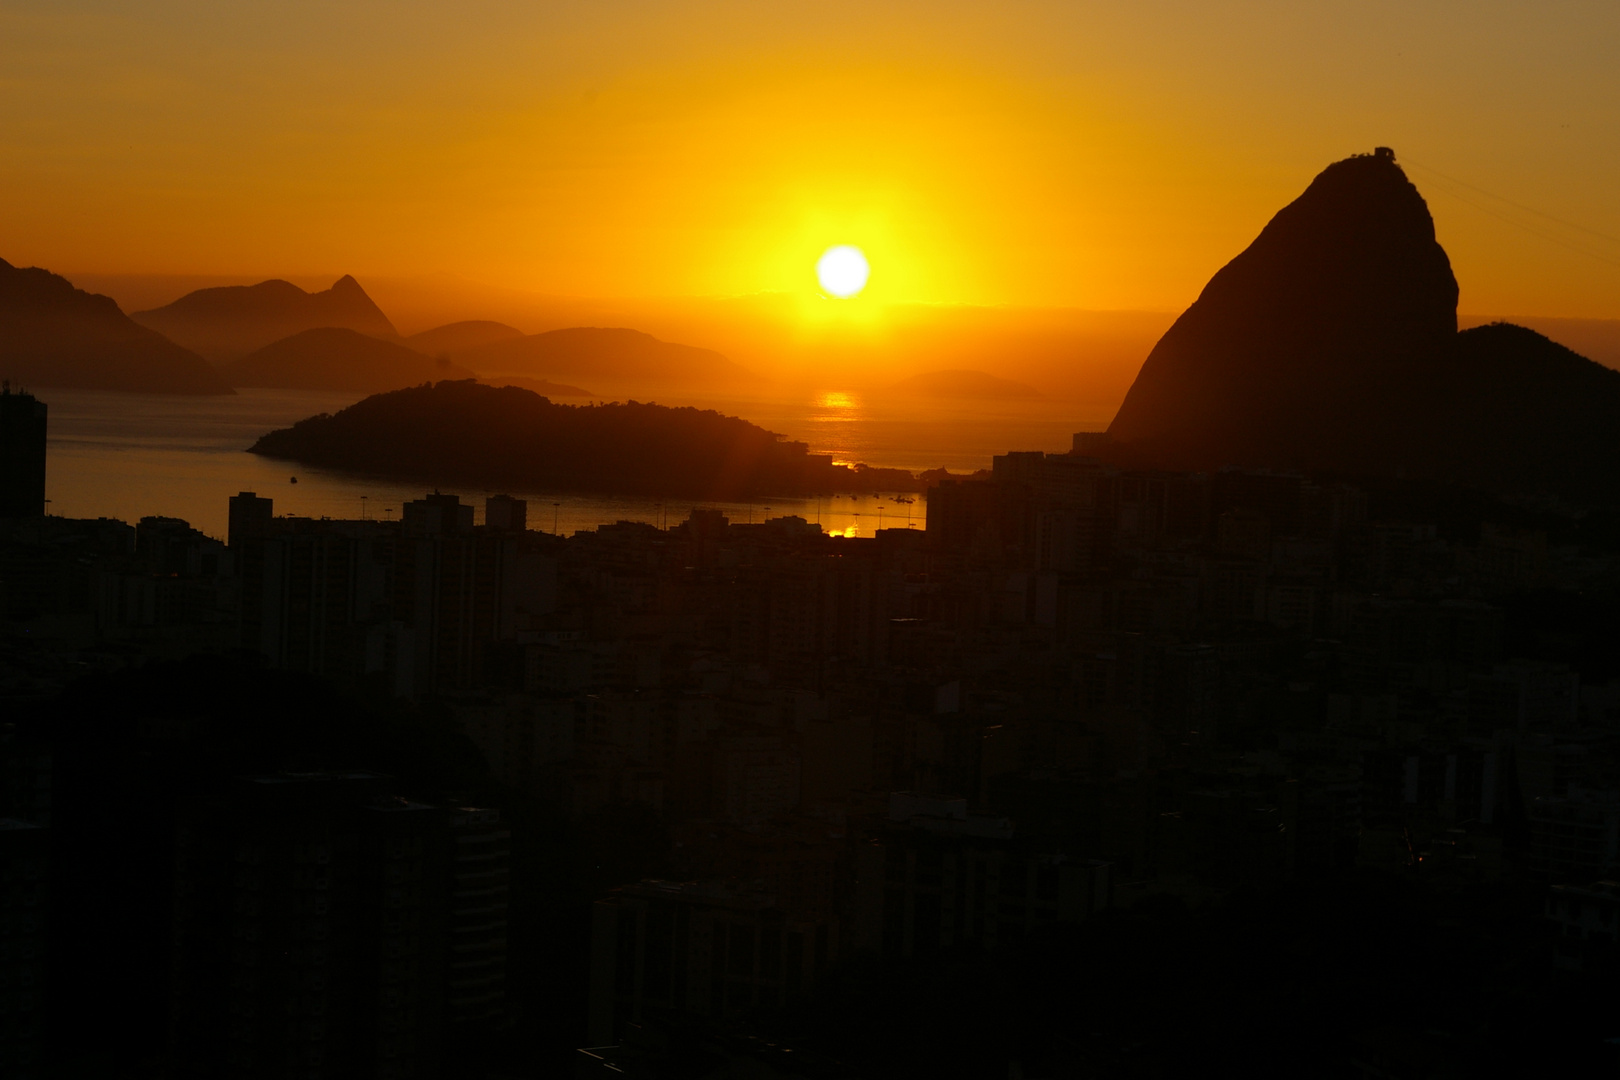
{"points": [[1057, 155]]}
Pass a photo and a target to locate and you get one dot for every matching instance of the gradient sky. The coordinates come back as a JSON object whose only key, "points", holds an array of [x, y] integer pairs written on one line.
{"points": [[1020, 153]]}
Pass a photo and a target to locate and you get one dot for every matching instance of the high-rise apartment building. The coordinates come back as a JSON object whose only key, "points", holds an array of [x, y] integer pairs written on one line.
{"points": [[703, 949], [327, 928], [22, 454], [411, 607], [24, 918]]}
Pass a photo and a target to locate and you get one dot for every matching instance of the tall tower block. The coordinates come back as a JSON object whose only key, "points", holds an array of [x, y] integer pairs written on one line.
{"points": [[22, 454]]}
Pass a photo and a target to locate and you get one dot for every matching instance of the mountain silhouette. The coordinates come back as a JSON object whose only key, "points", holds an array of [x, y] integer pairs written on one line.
{"points": [[470, 433], [1595, 339], [1516, 412], [596, 354], [332, 358], [52, 334], [962, 386], [229, 322], [1331, 343], [459, 336]]}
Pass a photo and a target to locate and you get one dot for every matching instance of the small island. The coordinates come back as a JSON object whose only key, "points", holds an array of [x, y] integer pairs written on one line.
{"points": [[466, 432]]}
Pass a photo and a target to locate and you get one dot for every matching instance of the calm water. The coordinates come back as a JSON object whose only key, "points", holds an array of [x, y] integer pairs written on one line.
{"points": [[910, 434], [130, 455]]}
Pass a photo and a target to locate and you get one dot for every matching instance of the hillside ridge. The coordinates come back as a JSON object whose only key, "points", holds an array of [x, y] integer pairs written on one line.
{"points": [[229, 321], [1331, 343], [55, 334]]}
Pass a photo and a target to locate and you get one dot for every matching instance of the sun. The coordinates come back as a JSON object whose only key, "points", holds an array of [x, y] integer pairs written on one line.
{"points": [[842, 271]]}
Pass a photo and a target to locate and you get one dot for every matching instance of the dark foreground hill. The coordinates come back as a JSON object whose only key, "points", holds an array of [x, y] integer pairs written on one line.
{"points": [[1331, 344], [52, 334], [336, 359], [230, 322], [1595, 339], [595, 354], [469, 433]]}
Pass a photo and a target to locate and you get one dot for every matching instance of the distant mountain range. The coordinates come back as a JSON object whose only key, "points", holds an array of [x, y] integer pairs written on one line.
{"points": [[604, 354], [52, 334], [333, 358], [962, 386], [1331, 343], [262, 333], [275, 334], [460, 336], [227, 323]]}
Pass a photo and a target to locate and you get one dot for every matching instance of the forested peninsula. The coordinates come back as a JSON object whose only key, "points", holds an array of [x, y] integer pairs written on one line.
{"points": [[467, 433]]}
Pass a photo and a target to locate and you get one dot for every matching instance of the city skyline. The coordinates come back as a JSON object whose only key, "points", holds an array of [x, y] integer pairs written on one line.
{"points": [[623, 538]]}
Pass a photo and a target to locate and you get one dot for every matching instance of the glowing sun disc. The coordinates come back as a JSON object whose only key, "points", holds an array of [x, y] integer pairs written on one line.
{"points": [[842, 271]]}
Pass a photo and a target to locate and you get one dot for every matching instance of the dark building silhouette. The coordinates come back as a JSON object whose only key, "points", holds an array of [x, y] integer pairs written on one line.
{"points": [[250, 516], [506, 513], [437, 515], [325, 927], [458, 587], [22, 454], [700, 949], [24, 922], [414, 606], [480, 895], [933, 876], [1587, 921], [1131, 685], [317, 596]]}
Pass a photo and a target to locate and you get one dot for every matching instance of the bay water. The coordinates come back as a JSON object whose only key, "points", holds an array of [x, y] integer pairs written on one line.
{"points": [[131, 455]]}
